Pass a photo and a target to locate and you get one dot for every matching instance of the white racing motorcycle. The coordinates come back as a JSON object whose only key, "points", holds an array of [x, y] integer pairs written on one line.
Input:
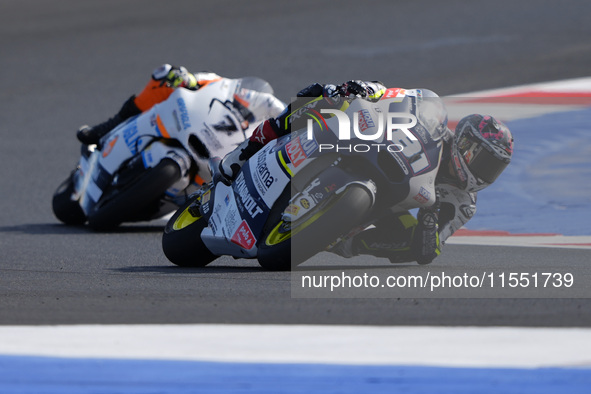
{"points": [[298, 195], [147, 166]]}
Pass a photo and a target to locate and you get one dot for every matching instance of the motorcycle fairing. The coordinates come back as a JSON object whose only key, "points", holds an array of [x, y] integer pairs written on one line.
{"points": [[239, 212], [216, 127]]}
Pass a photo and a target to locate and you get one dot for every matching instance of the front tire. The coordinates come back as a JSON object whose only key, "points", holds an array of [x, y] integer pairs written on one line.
{"points": [[181, 241], [346, 211], [68, 211], [129, 202]]}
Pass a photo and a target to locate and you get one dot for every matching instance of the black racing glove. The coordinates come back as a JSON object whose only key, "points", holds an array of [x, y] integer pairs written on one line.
{"points": [[353, 89]]}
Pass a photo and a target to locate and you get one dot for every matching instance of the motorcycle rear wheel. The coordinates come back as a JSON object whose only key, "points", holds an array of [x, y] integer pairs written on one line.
{"points": [[275, 251], [135, 197], [181, 241]]}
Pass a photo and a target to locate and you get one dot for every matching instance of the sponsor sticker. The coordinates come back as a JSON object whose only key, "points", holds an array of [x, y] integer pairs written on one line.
{"points": [[394, 92], [243, 236], [365, 121], [249, 204], [262, 175], [299, 150], [305, 203], [330, 188], [206, 196], [292, 209], [458, 166], [467, 210], [130, 135], [185, 121], [423, 196], [232, 219]]}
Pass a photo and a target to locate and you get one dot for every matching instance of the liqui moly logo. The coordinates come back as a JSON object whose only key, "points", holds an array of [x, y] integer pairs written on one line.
{"points": [[365, 120]]}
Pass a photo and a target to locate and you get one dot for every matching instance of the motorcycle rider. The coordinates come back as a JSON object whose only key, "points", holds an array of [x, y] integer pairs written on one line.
{"points": [[473, 157], [164, 80]]}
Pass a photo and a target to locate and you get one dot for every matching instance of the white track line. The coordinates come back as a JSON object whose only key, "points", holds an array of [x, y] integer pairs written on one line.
{"points": [[357, 345]]}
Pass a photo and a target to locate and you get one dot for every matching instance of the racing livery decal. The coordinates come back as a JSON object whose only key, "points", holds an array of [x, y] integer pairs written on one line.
{"points": [[365, 120], [109, 146], [243, 236], [248, 202], [262, 175], [299, 150], [423, 196], [130, 135]]}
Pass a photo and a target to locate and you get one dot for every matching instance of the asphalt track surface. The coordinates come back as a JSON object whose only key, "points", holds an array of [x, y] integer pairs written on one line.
{"points": [[65, 63]]}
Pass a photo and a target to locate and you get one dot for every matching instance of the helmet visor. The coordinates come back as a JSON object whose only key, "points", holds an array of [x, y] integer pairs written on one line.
{"points": [[482, 163]]}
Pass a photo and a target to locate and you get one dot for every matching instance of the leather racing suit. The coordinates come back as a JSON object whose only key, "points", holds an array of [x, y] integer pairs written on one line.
{"points": [[398, 236]]}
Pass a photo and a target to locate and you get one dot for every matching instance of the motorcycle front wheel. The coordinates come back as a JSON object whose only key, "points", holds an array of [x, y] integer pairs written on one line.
{"points": [[276, 251], [181, 241], [68, 211]]}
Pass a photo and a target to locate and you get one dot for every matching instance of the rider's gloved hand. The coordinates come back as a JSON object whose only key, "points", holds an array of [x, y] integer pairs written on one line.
{"points": [[175, 77], [330, 90], [353, 89], [181, 78]]}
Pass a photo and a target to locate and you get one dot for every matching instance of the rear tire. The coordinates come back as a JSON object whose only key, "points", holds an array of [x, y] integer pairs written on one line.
{"points": [[313, 236], [129, 202], [68, 211], [181, 241]]}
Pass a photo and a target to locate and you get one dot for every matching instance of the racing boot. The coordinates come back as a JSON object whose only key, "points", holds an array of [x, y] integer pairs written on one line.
{"points": [[233, 161], [92, 135], [390, 238]]}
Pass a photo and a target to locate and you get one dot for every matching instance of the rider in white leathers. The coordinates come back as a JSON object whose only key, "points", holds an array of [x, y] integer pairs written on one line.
{"points": [[165, 79]]}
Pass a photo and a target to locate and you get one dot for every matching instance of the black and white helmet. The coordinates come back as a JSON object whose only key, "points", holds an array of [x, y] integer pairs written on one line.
{"points": [[481, 150]]}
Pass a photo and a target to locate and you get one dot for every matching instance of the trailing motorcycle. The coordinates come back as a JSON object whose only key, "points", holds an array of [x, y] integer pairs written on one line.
{"points": [[300, 194], [147, 166]]}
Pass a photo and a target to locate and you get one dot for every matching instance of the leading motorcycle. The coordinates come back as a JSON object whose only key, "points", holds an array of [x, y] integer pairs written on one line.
{"points": [[302, 193], [147, 166]]}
